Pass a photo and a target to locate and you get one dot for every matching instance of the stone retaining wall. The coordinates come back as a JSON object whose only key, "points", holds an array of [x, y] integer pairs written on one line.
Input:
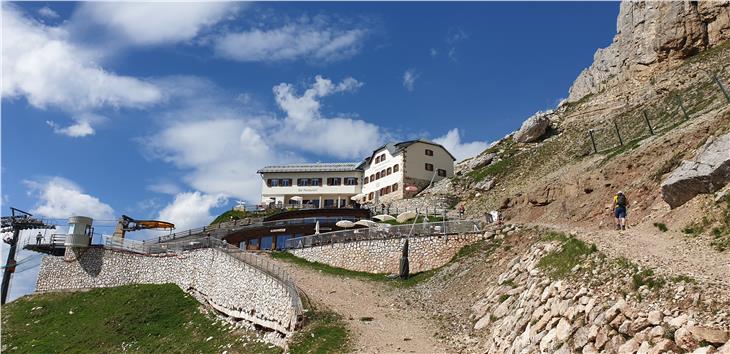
{"points": [[227, 284], [383, 256]]}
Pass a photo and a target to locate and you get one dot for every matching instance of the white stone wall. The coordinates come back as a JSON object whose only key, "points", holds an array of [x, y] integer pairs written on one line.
{"points": [[230, 286], [383, 256]]}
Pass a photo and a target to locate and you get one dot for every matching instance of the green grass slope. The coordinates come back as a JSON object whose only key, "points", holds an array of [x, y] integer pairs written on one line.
{"points": [[132, 318]]}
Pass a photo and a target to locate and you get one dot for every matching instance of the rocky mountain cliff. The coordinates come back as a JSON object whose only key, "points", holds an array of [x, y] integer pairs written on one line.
{"points": [[650, 34]]}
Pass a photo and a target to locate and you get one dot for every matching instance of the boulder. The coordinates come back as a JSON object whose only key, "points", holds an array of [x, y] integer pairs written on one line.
{"points": [[630, 347], [474, 163], [707, 173], [533, 128], [709, 335], [655, 317], [684, 339], [662, 346]]}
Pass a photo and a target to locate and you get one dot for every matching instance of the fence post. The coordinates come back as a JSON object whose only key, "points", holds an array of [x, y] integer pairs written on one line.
{"points": [[679, 101], [593, 140], [648, 124], [618, 133], [722, 88]]}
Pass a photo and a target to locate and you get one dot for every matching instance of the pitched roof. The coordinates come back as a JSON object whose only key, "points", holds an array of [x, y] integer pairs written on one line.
{"points": [[396, 148], [313, 167]]}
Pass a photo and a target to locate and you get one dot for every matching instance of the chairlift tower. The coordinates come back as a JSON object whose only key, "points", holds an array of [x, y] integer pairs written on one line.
{"points": [[18, 221]]}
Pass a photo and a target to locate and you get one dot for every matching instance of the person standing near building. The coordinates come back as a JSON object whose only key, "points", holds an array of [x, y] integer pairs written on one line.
{"points": [[38, 238], [461, 211]]}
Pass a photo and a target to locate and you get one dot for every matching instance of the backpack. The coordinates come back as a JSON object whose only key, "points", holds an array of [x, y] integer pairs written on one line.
{"points": [[621, 200]]}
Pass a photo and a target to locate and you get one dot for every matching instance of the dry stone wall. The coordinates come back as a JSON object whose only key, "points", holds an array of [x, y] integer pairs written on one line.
{"points": [[383, 256], [228, 285], [527, 312]]}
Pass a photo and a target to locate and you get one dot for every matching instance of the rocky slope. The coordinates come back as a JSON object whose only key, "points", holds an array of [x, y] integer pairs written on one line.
{"points": [[531, 290], [650, 34]]}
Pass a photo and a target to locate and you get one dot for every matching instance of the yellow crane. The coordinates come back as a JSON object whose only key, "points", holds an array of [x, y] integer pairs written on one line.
{"points": [[126, 223]]}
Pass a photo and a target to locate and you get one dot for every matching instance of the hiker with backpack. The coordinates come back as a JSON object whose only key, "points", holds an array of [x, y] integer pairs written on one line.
{"points": [[620, 204]]}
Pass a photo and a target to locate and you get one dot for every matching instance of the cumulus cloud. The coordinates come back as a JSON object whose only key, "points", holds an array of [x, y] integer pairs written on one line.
{"points": [[42, 65], [461, 150], [220, 155], [81, 128], [149, 23], [61, 198], [191, 209], [331, 135], [409, 79], [315, 39], [47, 12]]}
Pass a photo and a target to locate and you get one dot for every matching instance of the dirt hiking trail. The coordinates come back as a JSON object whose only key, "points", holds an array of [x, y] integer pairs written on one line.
{"points": [[669, 252], [391, 330]]}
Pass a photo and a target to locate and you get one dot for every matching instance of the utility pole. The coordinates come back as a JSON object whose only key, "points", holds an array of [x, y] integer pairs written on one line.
{"points": [[18, 221]]}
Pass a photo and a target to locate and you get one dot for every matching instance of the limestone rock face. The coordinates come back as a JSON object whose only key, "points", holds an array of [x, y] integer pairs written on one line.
{"points": [[707, 173], [648, 33], [533, 128]]}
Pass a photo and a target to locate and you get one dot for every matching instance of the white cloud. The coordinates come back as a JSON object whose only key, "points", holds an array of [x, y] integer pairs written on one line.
{"points": [[77, 130], [147, 23], [42, 65], [336, 136], [409, 79], [452, 142], [306, 39], [164, 188], [221, 155], [434, 52], [81, 128], [191, 209], [61, 198], [47, 12]]}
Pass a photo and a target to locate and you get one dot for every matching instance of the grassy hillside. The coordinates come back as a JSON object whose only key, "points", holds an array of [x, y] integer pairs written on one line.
{"points": [[133, 318]]}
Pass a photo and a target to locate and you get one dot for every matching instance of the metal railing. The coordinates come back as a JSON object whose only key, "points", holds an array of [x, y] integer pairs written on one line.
{"points": [[53, 240], [385, 231], [225, 228]]}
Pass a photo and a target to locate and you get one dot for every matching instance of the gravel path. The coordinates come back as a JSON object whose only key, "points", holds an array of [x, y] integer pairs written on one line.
{"points": [[391, 329], [668, 252]]}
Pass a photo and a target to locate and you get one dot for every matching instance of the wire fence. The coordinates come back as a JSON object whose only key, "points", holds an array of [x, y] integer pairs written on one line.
{"points": [[385, 232], [636, 123]]}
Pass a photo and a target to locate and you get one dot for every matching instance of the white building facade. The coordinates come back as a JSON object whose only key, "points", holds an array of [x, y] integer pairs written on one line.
{"points": [[318, 185], [401, 170], [393, 171]]}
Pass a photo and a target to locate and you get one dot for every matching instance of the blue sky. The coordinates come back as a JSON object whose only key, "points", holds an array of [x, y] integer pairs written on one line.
{"points": [[166, 111]]}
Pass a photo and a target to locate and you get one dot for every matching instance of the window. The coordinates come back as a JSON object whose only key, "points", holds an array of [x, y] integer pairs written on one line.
{"points": [[382, 191], [334, 181], [429, 167], [396, 168], [372, 178], [270, 182], [315, 182], [351, 181], [377, 159], [442, 173], [395, 187], [377, 175], [365, 181], [382, 173], [388, 171], [285, 182], [387, 190], [302, 182], [429, 152], [370, 196]]}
